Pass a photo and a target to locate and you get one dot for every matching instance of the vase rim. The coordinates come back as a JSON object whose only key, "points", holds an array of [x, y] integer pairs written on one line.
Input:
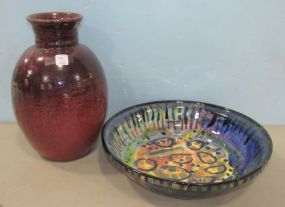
{"points": [[54, 17]]}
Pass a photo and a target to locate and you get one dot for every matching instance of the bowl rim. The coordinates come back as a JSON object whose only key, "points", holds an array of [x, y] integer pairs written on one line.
{"points": [[244, 177]]}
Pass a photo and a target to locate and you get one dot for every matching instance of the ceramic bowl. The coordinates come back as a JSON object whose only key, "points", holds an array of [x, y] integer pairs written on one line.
{"points": [[186, 148]]}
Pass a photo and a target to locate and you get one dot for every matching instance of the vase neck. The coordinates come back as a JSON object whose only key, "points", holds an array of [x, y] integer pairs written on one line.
{"points": [[57, 29], [55, 37]]}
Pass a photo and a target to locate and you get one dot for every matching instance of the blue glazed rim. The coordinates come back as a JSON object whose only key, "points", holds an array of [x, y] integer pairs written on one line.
{"points": [[133, 170]]}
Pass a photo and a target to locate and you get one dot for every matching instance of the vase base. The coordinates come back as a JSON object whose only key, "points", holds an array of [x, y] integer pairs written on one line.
{"points": [[67, 159]]}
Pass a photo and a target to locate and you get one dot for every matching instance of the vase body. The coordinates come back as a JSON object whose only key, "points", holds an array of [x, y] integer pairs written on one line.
{"points": [[59, 89]]}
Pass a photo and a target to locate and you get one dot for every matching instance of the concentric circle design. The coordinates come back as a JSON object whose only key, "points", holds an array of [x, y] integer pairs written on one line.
{"points": [[195, 144], [164, 142], [207, 158], [216, 169], [145, 164]]}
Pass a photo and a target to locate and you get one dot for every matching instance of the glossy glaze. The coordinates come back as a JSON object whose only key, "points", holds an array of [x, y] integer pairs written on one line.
{"points": [[60, 106], [185, 148]]}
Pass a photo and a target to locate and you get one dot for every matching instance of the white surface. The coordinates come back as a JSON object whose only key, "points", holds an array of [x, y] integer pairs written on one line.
{"points": [[26, 180], [61, 59], [225, 52]]}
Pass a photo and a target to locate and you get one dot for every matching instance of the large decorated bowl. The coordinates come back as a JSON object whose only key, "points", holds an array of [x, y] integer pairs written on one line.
{"points": [[185, 148]]}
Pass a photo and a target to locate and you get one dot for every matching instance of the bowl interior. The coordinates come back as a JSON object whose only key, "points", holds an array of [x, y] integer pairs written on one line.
{"points": [[187, 141]]}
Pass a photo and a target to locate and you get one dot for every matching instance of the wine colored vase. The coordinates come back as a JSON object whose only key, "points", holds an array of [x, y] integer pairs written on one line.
{"points": [[59, 89]]}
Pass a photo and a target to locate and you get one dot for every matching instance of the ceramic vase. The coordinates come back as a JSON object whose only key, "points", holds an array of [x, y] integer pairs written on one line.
{"points": [[59, 89]]}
